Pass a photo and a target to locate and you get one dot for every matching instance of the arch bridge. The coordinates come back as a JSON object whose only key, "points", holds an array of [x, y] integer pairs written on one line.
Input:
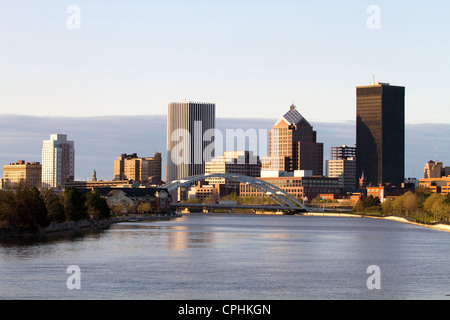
{"points": [[284, 200]]}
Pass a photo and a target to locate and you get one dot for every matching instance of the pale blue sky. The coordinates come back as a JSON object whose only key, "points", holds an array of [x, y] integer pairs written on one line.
{"points": [[252, 58]]}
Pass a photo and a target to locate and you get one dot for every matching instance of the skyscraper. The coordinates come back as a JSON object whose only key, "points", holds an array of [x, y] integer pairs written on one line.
{"points": [[380, 133], [293, 145], [190, 138], [58, 161]]}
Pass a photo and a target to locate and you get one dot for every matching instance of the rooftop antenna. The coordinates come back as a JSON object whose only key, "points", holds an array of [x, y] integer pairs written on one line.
{"points": [[435, 153]]}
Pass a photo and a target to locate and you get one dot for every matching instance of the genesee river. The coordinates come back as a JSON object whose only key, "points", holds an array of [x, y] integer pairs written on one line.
{"points": [[233, 257]]}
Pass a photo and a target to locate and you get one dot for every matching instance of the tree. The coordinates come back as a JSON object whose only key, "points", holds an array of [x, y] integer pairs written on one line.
{"points": [[23, 208], [97, 207], [55, 209], [388, 206], [74, 204], [359, 206], [370, 202], [437, 205], [144, 207], [8, 217], [40, 209], [209, 200], [410, 202]]}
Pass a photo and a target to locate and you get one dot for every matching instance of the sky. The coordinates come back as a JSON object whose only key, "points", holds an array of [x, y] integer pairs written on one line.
{"points": [[84, 58]]}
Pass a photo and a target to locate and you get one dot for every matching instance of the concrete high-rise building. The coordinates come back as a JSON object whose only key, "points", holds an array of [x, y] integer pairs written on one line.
{"points": [[27, 173], [293, 145], [188, 147], [145, 170], [58, 161], [342, 165], [434, 169], [380, 133], [237, 162]]}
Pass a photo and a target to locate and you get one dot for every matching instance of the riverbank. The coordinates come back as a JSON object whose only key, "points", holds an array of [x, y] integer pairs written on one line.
{"points": [[440, 227], [82, 225]]}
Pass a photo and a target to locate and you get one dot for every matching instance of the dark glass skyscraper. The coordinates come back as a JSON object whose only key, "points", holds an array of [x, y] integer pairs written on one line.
{"points": [[380, 133]]}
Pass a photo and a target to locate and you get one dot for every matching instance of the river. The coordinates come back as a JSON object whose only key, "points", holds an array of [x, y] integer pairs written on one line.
{"points": [[233, 257]]}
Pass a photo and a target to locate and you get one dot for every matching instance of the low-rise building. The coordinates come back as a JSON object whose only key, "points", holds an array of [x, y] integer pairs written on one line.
{"points": [[300, 184], [383, 192], [204, 192], [145, 170], [100, 184], [237, 162], [436, 185], [27, 173], [127, 200]]}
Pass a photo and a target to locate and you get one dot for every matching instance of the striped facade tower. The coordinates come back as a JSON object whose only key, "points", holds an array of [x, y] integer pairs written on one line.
{"points": [[190, 127]]}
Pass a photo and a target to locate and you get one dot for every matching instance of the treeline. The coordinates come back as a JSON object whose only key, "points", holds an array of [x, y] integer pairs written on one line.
{"points": [[30, 208], [421, 206]]}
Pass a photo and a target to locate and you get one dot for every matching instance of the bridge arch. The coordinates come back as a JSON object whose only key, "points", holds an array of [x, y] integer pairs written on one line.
{"points": [[281, 197]]}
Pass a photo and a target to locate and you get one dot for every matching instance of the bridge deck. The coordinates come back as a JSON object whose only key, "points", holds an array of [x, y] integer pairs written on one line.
{"points": [[237, 206]]}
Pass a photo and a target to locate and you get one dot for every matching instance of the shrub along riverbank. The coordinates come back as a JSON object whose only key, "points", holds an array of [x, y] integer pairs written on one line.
{"points": [[420, 206], [30, 209]]}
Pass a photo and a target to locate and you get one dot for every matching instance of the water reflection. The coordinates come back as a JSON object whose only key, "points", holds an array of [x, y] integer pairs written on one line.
{"points": [[27, 246]]}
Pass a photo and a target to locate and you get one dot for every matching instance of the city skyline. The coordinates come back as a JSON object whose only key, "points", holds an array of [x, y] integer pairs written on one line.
{"points": [[101, 139], [245, 57]]}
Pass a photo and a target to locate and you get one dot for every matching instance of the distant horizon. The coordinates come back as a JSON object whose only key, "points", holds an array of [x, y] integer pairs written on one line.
{"points": [[99, 140], [229, 117]]}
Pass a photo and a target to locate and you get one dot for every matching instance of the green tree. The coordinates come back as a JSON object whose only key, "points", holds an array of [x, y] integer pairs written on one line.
{"points": [[74, 204], [40, 209], [432, 204], [388, 206], [410, 203], [55, 209], [8, 217], [22, 208], [359, 206], [97, 207], [370, 202]]}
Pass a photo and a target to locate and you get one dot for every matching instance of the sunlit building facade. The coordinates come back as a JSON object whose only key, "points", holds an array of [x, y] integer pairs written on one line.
{"points": [[58, 161]]}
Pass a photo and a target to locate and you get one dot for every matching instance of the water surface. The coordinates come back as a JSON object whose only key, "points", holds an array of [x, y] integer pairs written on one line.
{"points": [[233, 257]]}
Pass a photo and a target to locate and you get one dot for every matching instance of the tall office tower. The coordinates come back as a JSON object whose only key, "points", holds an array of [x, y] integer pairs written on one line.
{"points": [[58, 161], [342, 165], [380, 133], [144, 170], [188, 147], [293, 145]]}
